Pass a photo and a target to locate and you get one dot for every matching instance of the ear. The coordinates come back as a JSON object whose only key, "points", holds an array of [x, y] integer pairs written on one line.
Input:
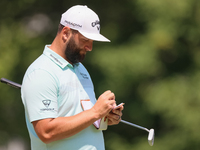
{"points": [[66, 34]]}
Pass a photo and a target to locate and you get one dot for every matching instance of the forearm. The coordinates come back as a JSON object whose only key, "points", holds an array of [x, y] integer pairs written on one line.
{"points": [[53, 129], [50, 130]]}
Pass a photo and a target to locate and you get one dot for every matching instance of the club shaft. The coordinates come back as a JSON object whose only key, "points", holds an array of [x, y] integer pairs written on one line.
{"points": [[134, 125], [11, 83], [18, 86]]}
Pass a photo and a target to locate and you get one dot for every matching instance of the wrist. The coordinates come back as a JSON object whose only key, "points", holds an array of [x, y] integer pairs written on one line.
{"points": [[95, 114]]}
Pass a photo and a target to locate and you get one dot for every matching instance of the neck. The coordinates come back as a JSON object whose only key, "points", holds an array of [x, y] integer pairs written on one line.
{"points": [[58, 47]]}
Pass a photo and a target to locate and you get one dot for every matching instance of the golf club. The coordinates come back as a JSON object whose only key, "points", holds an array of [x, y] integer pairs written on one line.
{"points": [[151, 131], [11, 83]]}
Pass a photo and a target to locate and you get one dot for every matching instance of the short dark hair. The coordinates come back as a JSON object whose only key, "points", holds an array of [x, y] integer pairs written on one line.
{"points": [[60, 27]]}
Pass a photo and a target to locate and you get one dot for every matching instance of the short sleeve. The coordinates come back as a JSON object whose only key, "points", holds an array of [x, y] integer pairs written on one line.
{"points": [[39, 95]]}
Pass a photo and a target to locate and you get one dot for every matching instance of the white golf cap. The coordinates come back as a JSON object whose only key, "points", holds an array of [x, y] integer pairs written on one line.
{"points": [[85, 20]]}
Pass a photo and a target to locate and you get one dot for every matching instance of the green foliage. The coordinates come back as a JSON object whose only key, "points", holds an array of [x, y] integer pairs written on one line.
{"points": [[152, 64]]}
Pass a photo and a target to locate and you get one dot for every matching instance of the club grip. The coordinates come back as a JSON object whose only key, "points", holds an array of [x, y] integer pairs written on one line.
{"points": [[11, 83]]}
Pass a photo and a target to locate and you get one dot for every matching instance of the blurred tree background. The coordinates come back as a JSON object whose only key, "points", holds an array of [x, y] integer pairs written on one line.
{"points": [[152, 64]]}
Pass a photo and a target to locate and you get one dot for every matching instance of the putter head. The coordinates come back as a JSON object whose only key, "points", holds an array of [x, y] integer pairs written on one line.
{"points": [[151, 137]]}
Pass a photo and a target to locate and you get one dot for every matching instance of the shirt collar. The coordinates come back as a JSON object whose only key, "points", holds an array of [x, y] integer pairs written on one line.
{"points": [[57, 59]]}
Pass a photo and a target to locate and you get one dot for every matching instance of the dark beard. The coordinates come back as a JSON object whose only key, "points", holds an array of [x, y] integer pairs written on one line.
{"points": [[73, 53]]}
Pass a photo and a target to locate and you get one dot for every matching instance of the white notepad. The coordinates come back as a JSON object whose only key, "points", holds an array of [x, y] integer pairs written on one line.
{"points": [[99, 124]]}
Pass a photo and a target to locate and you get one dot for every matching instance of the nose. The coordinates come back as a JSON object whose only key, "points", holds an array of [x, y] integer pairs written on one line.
{"points": [[89, 45]]}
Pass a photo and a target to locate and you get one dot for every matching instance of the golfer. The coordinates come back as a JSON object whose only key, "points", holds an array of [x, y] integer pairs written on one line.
{"points": [[58, 94]]}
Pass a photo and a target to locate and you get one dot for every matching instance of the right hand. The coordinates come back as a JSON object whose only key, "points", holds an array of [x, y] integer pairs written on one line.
{"points": [[104, 104]]}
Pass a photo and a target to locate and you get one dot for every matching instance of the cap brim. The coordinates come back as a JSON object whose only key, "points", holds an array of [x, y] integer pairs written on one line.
{"points": [[95, 37]]}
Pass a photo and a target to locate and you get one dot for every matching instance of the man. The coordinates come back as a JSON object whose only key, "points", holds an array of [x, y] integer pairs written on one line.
{"points": [[56, 84]]}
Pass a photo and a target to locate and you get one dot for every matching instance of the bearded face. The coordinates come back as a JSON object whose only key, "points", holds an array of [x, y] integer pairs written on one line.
{"points": [[73, 53]]}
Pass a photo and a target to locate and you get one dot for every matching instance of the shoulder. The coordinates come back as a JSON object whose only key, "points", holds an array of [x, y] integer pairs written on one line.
{"points": [[41, 71], [42, 62]]}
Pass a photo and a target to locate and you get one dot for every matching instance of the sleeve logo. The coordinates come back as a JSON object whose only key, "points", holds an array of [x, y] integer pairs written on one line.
{"points": [[46, 103]]}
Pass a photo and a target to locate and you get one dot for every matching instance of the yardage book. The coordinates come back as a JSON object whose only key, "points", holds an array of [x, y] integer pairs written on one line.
{"points": [[100, 124]]}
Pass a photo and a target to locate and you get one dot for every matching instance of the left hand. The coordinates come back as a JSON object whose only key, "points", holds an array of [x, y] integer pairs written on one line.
{"points": [[114, 117]]}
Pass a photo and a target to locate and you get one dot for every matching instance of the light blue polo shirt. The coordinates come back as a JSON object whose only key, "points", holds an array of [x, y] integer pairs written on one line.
{"points": [[53, 88]]}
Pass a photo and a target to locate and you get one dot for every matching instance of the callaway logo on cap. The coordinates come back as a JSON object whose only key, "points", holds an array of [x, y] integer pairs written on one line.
{"points": [[85, 20]]}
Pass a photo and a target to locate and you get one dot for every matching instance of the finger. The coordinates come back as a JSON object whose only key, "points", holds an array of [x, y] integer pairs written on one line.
{"points": [[107, 92], [121, 108], [112, 121], [119, 118], [110, 94], [112, 102], [109, 106], [114, 105], [113, 116], [117, 112]]}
